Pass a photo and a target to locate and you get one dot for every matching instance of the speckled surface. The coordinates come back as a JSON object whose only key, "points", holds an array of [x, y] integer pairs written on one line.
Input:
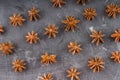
{"points": [[51, 15]]}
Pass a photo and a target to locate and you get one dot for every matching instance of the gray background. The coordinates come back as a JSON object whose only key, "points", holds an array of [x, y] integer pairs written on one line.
{"points": [[51, 15]]}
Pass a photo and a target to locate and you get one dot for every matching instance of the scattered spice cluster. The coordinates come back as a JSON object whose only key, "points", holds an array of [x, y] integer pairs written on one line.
{"points": [[96, 63]]}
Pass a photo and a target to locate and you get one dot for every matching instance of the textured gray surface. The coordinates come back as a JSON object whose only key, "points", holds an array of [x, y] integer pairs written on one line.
{"points": [[51, 15]]}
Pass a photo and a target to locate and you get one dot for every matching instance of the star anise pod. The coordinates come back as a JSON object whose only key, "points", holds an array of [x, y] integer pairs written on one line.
{"points": [[19, 65], [46, 77], [116, 56], [1, 29], [97, 37], [17, 20], [112, 10], [73, 74], [34, 14], [32, 37], [96, 64], [82, 1], [74, 48], [90, 13], [116, 35], [6, 48], [51, 30], [48, 59], [58, 3], [71, 23]]}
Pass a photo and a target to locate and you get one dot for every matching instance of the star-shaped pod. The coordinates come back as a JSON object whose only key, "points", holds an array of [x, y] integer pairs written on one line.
{"points": [[96, 64], [71, 23], [58, 3], [112, 10], [6, 48], [73, 73], [17, 20], [97, 37], [48, 59], [32, 37], [19, 65], [74, 48], [116, 35], [51, 31]]}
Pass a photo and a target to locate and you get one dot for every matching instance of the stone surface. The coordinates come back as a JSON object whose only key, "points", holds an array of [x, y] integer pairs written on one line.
{"points": [[51, 15]]}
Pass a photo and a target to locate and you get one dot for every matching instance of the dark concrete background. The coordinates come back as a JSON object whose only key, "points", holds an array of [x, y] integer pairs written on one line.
{"points": [[51, 15]]}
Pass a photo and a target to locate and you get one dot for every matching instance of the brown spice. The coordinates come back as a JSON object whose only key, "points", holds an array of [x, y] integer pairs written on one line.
{"points": [[90, 13], [32, 37], [19, 65], [48, 59], [51, 31], [17, 20], [116, 35], [116, 56], [1, 29], [6, 48], [96, 64], [73, 74], [34, 14], [47, 77], [74, 48], [112, 10], [97, 37], [58, 3], [71, 23]]}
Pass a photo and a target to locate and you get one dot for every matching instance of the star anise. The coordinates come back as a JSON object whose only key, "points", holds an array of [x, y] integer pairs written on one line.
{"points": [[70, 23], [82, 1], [96, 64], [97, 37], [32, 37], [116, 56], [1, 29], [73, 74], [90, 13], [116, 35], [46, 77], [74, 48], [17, 20], [51, 31], [6, 48], [48, 59], [58, 3], [112, 10], [34, 14], [19, 65]]}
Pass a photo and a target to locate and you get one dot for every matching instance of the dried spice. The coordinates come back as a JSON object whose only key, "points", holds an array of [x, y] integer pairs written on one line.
{"points": [[47, 77], [112, 10], [73, 74], [71, 23], [34, 14], [48, 59], [58, 3], [32, 37], [74, 48], [17, 20], [97, 37], [116, 35], [96, 64], [90, 13], [82, 1], [6, 48], [116, 56], [51, 31], [19, 65], [1, 29]]}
